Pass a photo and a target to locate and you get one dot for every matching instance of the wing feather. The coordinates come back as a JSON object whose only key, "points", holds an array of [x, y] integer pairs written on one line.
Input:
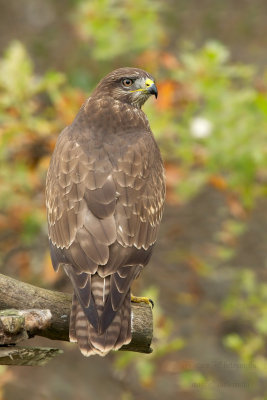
{"points": [[104, 228], [104, 207]]}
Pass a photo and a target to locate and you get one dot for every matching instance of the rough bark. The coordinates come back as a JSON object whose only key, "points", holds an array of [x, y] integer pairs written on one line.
{"points": [[18, 295], [28, 356]]}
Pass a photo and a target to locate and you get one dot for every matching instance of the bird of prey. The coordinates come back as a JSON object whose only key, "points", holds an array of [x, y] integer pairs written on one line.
{"points": [[105, 193]]}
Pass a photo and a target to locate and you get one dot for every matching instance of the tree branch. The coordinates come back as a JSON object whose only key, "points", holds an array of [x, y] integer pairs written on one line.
{"points": [[23, 296]]}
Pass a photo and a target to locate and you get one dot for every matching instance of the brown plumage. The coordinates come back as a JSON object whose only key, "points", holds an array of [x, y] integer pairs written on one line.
{"points": [[105, 192]]}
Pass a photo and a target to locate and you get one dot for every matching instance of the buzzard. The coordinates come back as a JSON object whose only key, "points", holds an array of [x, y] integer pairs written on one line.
{"points": [[105, 192]]}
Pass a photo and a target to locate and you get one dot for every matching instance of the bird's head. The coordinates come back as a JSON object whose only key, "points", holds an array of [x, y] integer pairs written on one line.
{"points": [[129, 85]]}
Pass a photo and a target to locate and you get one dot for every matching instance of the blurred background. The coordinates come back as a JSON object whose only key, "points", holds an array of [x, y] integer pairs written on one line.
{"points": [[208, 274]]}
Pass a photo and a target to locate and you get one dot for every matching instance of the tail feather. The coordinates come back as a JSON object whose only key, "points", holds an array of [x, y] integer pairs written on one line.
{"points": [[117, 333], [72, 330], [125, 335]]}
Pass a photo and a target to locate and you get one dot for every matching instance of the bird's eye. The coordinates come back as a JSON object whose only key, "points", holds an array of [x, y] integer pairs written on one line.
{"points": [[127, 82]]}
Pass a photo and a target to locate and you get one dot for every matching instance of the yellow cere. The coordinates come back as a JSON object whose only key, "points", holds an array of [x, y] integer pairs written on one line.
{"points": [[149, 82]]}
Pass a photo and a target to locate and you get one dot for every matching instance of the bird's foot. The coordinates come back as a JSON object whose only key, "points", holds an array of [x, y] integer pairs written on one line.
{"points": [[146, 300]]}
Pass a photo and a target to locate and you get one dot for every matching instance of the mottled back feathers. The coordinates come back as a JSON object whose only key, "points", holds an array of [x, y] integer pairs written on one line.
{"points": [[105, 193]]}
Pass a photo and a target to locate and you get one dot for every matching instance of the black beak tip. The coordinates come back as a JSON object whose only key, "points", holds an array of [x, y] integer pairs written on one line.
{"points": [[153, 90]]}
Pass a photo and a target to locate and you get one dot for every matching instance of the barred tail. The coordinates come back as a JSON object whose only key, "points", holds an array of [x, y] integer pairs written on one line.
{"points": [[116, 334]]}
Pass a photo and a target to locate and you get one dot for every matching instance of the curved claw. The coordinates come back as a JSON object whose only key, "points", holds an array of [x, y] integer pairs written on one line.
{"points": [[152, 303]]}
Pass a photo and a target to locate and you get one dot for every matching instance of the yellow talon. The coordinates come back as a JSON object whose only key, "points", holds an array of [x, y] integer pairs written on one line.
{"points": [[146, 300]]}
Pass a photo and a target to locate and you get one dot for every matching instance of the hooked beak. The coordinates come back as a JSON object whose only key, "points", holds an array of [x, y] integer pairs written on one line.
{"points": [[152, 89]]}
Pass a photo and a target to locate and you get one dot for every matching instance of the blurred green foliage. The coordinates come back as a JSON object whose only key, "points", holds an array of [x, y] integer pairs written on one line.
{"points": [[218, 125], [114, 29], [248, 303], [30, 119]]}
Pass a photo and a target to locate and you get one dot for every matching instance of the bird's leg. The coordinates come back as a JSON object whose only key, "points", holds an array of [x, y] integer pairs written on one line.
{"points": [[146, 300]]}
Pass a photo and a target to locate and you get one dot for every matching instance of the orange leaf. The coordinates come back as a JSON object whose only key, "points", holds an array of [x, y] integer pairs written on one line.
{"points": [[174, 94], [218, 182]]}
